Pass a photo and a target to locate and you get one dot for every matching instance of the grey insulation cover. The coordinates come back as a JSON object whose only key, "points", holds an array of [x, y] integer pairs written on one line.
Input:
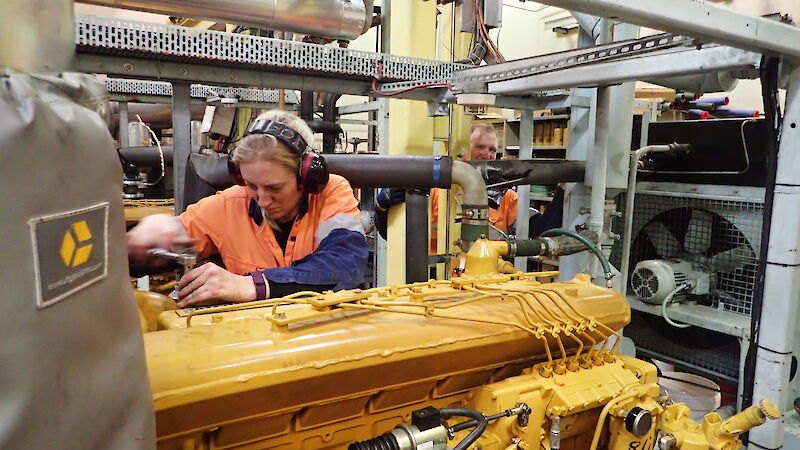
{"points": [[72, 367]]}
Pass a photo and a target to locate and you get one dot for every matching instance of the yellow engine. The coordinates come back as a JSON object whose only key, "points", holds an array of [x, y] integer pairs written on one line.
{"points": [[496, 362]]}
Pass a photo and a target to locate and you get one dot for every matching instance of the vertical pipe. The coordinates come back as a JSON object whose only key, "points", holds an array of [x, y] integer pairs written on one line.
{"points": [[124, 140], [381, 249], [630, 197], [307, 105], [416, 235], [524, 192], [182, 140], [599, 169]]}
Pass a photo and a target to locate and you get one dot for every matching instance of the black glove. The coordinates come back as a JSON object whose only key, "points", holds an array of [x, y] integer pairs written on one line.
{"points": [[385, 198]]}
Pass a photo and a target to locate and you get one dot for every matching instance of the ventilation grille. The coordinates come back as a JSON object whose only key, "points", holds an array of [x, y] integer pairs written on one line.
{"points": [[731, 291]]}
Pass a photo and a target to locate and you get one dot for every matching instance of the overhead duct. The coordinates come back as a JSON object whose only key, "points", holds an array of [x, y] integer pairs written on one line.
{"points": [[37, 36], [156, 115], [700, 83], [336, 19]]}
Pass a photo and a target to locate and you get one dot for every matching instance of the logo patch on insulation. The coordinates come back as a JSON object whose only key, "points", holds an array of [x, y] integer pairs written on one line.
{"points": [[70, 252]]}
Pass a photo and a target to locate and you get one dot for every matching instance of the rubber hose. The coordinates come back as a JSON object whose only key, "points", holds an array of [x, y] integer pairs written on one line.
{"points": [[384, 442], [472, 414], [587, 243]]}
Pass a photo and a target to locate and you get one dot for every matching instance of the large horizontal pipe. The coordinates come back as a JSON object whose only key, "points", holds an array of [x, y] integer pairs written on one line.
{"points": [[153, 114], [373, 171], [543, 171], [146, 156], [422, 172], [700, 82], [336, 19]]}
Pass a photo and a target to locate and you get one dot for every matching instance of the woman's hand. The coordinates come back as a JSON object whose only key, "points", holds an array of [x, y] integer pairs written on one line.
{"points": [[156, 231], [211, 283]]}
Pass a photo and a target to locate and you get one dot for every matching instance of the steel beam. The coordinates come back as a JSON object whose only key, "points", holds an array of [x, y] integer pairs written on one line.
{"points": [[703, 20], [652, 65]]}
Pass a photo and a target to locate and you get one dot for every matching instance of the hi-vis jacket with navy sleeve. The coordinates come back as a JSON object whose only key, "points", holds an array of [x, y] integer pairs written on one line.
{"points": [[326, 244]]}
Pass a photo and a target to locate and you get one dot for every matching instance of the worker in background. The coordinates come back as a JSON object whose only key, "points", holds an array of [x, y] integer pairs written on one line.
{"points": [[289, 227], [483, 145]]}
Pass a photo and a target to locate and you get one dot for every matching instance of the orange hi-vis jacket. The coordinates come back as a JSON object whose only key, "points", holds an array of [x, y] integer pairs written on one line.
{"points": [[326, 244]]}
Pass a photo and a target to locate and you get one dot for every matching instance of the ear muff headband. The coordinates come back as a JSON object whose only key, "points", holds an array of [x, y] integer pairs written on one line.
{"points": [[281, 132], [312, 173]]}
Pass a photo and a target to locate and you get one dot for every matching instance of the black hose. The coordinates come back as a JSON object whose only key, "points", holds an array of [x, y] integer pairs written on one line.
{"points": [[384, 442], [472, 423], [769, 92], [473, 436]]}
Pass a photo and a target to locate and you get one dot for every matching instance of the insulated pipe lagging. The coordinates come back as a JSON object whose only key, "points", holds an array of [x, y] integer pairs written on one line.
{"points": [[416, 235], [336, 19], [406, 172], [422, 172]]}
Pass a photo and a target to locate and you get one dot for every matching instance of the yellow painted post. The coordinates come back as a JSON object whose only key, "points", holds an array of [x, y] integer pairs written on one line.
{"points": [[411, 31], [462, 124]]}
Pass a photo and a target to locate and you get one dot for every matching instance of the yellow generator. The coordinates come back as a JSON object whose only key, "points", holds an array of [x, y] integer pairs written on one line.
{"points": [[499, 361]]}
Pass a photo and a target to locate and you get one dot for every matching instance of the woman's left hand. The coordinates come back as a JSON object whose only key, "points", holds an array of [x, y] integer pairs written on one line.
{"points": [[211, 283]]}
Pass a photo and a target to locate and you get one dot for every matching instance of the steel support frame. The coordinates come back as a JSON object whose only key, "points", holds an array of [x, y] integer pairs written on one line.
{"points": [[524, 192], [703, 20], [663, 63], [778, 323]]}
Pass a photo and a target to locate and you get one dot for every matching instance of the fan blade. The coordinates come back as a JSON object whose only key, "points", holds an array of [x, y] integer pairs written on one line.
{"points": [[698, 233], [665, 243], [730, 260]]}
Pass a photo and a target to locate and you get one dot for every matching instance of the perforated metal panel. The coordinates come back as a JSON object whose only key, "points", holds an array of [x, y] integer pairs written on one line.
{"points": [[730, 231], [720, 361], [125, 37], [162, 88]]}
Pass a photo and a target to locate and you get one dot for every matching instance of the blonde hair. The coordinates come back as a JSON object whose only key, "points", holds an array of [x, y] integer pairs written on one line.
{"points": [[481, 129], [266, 147]]}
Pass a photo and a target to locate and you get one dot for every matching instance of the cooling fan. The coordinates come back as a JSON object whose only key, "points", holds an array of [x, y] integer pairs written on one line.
{"points": [[690, 247]]}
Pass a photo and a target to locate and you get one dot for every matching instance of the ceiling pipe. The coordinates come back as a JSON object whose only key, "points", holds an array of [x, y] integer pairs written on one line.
{"points": [[335, 19]]}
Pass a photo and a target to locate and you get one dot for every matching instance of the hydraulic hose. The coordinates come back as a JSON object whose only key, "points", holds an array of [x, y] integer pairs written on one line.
{"points": [[593, 248], [473, 436]]}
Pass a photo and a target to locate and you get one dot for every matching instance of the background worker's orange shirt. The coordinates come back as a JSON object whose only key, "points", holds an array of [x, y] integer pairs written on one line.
{"points": [[221, 224], [503, 217]]}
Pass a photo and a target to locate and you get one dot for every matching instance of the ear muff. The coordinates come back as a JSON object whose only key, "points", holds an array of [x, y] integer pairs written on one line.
{"points": [[233, 170], [312, 174]]}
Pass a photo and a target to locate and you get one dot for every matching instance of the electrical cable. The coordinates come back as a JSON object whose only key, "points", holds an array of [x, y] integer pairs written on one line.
{"points": [[668, 299], [389, 94], [592, 247], [769, 70], [160, 152]]}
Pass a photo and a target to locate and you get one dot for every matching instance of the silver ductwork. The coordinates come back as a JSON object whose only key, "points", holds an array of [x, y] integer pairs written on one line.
{"points": [[337, 19], [37, 36]]}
